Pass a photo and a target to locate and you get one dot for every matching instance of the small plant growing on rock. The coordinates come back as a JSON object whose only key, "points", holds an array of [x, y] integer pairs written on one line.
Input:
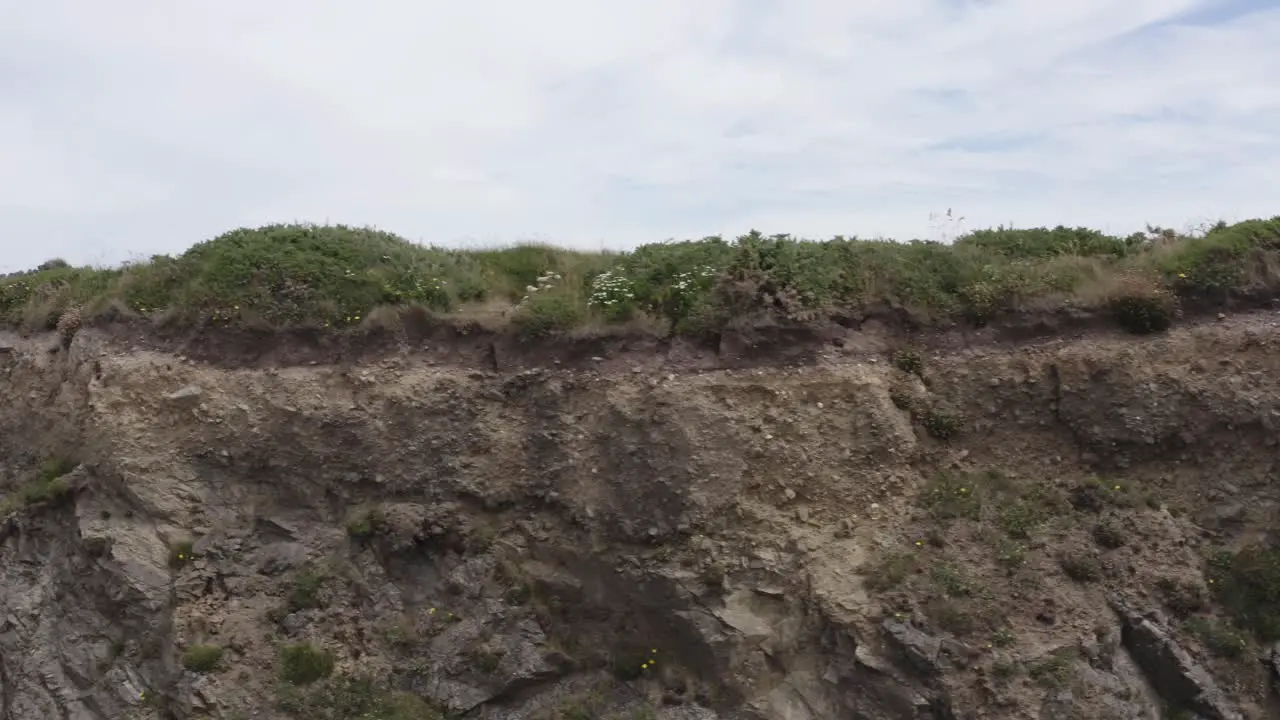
{"points": [[901, 397], [305, 593], [485, 660], [1182, 598], [1108, 535], [1081, 567], [180, 552], [48, 487], [1010, 554], [365, 523], [908, 361], [1247, 583], [202, 658], [1018, 520], [1219, 638], [1055, 670], [303, 663], [943, 424], [951, 496], [891, 570]]}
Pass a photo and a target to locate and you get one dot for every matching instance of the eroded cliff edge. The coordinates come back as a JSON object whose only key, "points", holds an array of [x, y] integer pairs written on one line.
{"points": [[877, 532]]}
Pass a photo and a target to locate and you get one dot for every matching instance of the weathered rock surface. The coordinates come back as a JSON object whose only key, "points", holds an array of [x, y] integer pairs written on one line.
{"points": [[726, 544]]}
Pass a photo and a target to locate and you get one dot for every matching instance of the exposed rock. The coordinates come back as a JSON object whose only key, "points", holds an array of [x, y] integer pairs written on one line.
{"points": [[1172, 672], [565, 541]]}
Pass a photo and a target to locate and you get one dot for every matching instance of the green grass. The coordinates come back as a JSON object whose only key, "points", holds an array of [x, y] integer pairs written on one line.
{"points": [[302, 276], [1247, 584], [202, 658], [351, 697], [47, 486], [303, 664]]}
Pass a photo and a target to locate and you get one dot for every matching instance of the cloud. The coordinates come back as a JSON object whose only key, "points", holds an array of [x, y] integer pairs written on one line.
{"points": [[142, 126]]}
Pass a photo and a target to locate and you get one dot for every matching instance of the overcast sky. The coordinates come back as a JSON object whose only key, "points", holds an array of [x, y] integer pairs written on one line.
{"points": [[139, 126]]}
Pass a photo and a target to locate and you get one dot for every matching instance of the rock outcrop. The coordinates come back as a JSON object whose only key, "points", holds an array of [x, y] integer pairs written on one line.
{"points": [[838, 539]]}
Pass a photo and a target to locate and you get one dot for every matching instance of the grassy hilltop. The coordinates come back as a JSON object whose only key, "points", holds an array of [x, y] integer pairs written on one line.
{"points": [[285, 276]]}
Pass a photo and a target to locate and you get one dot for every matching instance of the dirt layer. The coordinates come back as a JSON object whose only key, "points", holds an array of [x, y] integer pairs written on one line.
{"points": [[450, 342]]}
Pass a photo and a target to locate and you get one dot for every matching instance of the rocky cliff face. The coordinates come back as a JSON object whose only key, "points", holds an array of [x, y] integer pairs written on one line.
{"points": [[986, 532]]}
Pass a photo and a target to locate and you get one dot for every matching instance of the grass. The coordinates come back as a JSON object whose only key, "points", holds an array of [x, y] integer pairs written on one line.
{"points": [[1247, 584], [47, 486], [350, 697], [305, 592], [1055, 669], [303, 664], [202, 658], [332, 277]]}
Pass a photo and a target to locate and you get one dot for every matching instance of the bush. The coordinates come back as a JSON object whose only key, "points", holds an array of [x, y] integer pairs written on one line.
{"points": [[305, 593], [365, 523], [302, 664], [1218, 638], [1143, 309], [202, 658], [309, 276], [547, 314], [943, 424], [908, 361], [1081, 567], [1247, 584]]}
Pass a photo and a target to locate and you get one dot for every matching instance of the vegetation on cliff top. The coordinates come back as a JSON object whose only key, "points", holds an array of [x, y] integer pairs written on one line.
{"points": [[291, 276]]}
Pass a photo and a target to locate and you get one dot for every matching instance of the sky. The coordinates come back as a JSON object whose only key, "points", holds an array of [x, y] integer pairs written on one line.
{"points": [[142, 126]]}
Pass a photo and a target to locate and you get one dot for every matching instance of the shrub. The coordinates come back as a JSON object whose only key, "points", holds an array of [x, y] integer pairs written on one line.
{"points": [[1081, 566], [202, 658], [613, 294], [1181, 598], [1247, 583], [1220, 639], [546, 314], [1108, 535], [943, 424], [311, 276], [950, 496], [1141, 308], [365, 523], [305, 593], [908, 361], [302, 664]]}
